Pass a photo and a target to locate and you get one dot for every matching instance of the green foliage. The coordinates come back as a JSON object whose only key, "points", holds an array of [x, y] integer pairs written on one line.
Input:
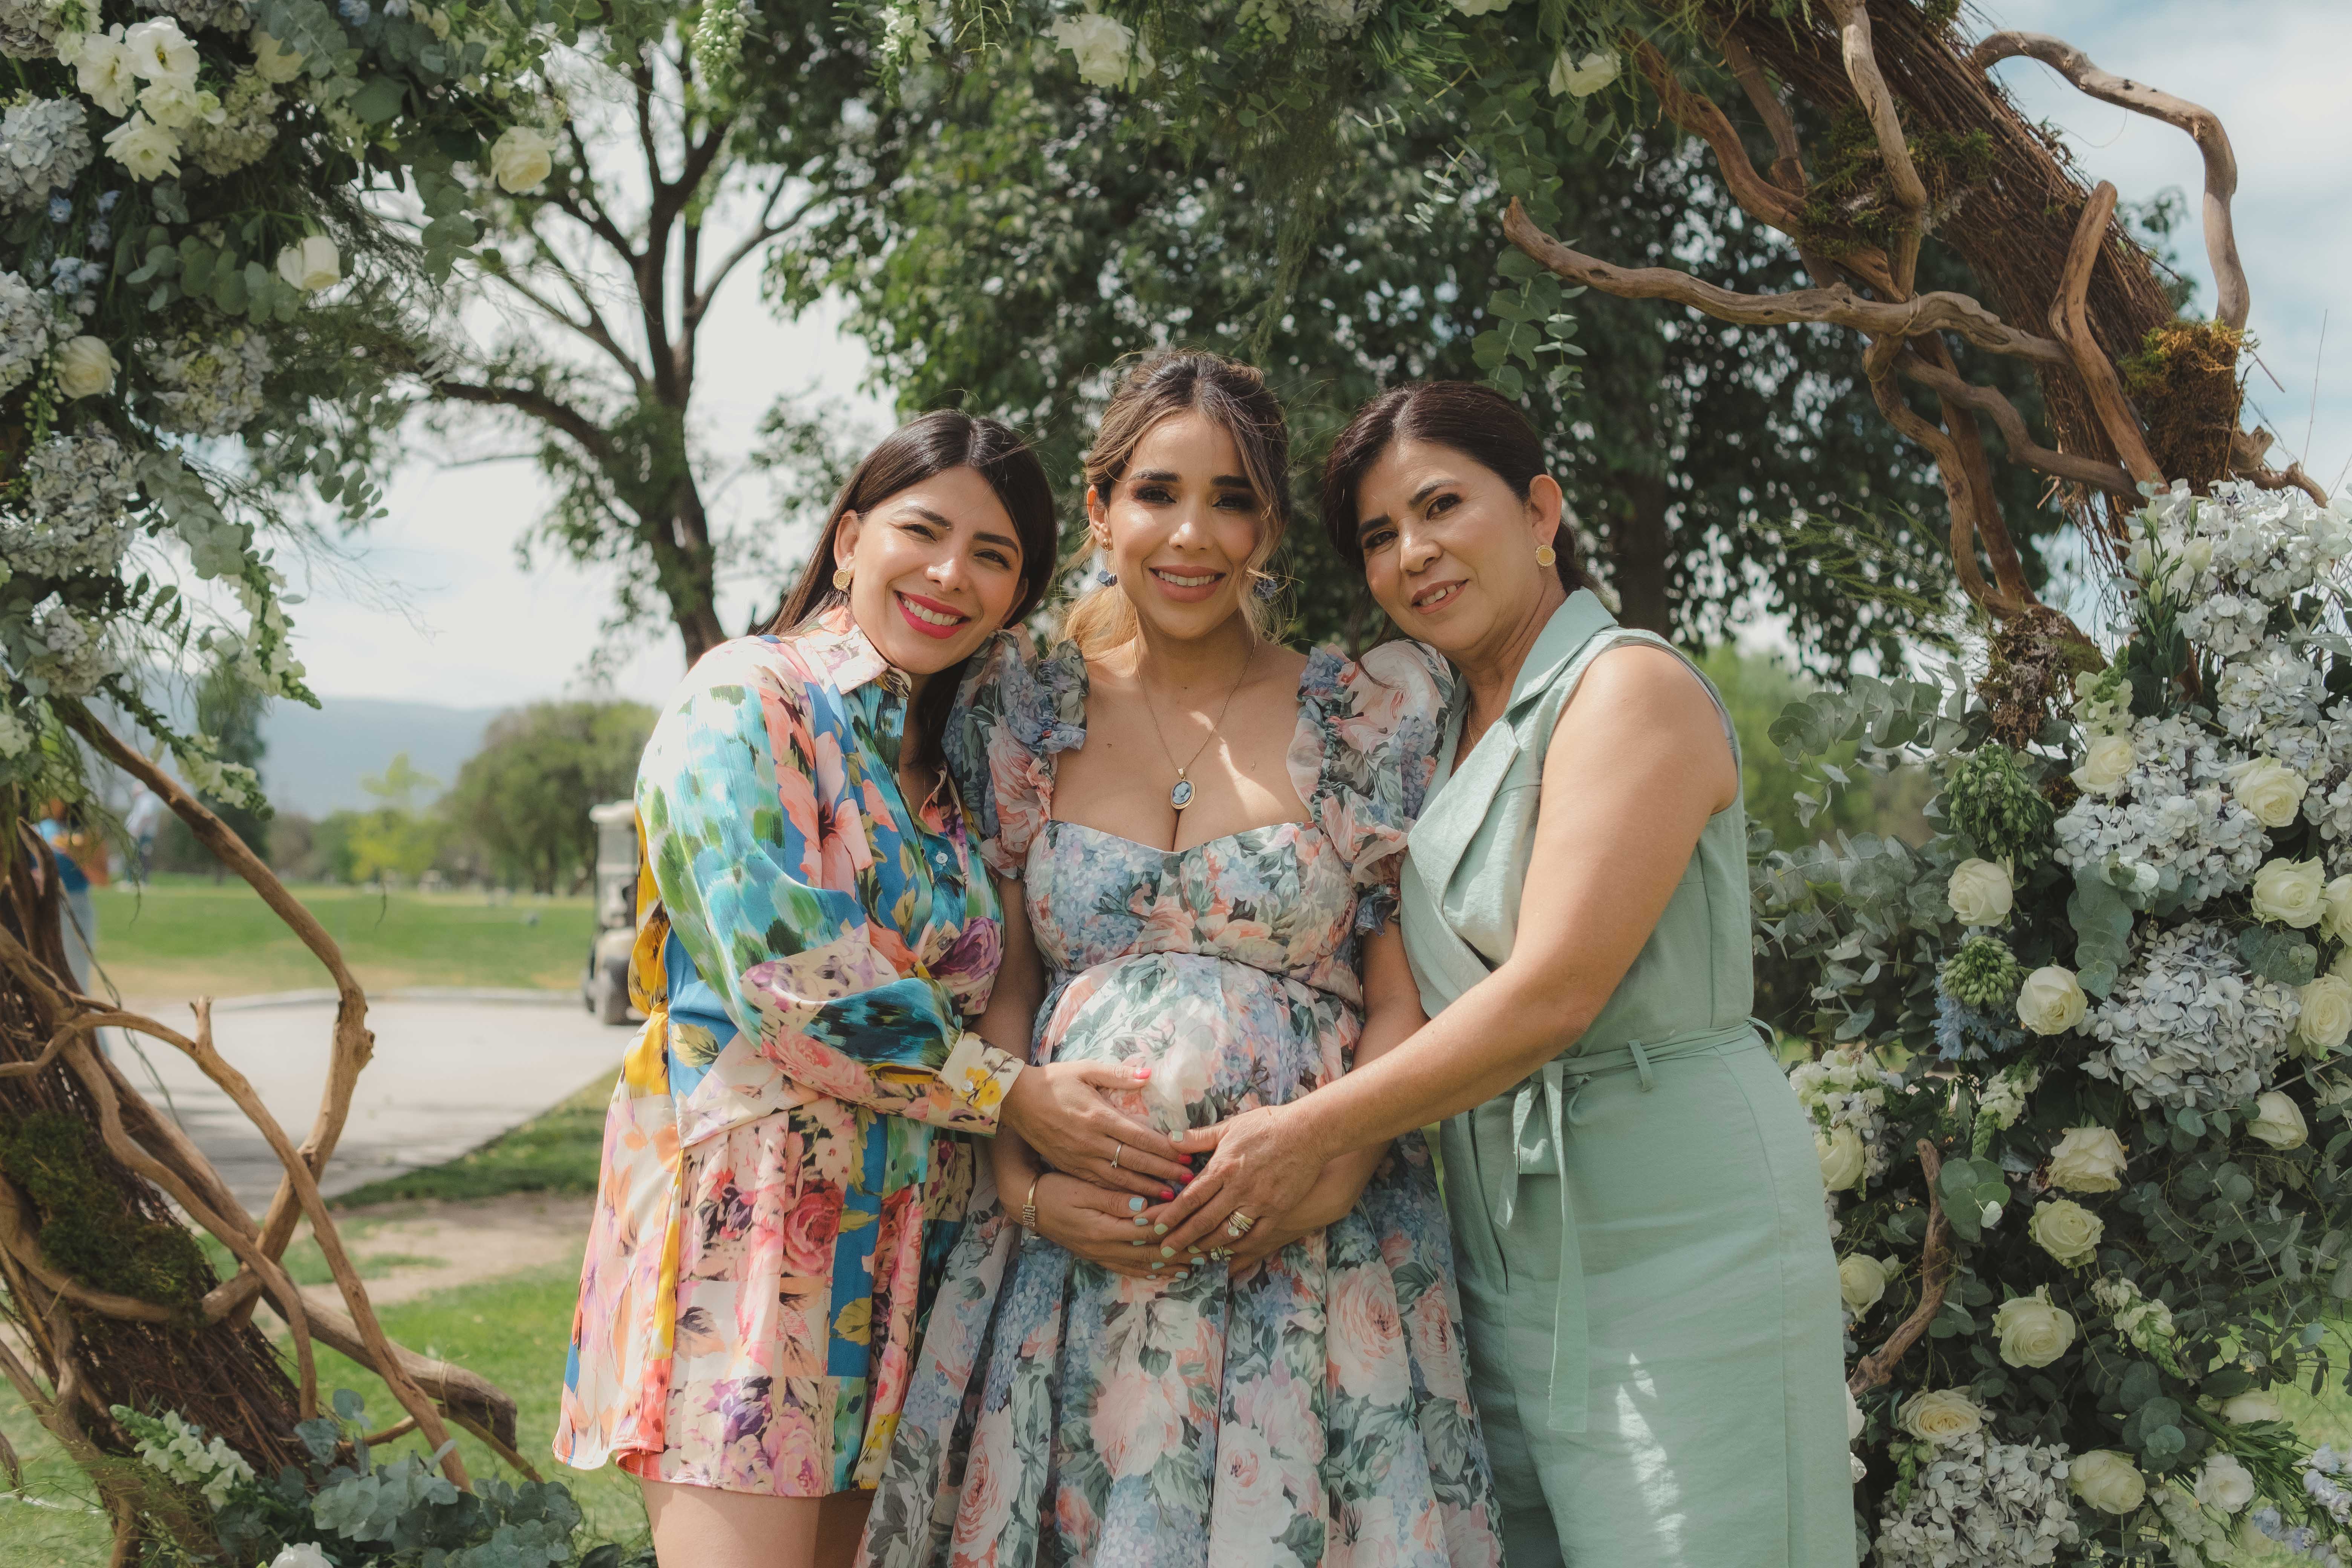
{"points": [[87, 1229], [1984, 973], [524, 797]]}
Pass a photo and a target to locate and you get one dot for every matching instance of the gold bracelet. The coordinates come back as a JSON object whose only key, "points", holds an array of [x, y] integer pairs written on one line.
{"points": [[1029, 1206]]}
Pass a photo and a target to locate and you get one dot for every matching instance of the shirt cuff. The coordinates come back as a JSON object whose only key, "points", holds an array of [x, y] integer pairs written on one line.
{"points": [[977, 1077]]}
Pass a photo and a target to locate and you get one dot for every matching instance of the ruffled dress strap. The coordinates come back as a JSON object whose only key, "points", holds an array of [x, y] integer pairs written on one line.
{"points": [[1363, 757], [1013, 715]]}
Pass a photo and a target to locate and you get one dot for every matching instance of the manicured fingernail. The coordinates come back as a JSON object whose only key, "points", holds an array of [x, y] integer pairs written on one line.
{"points": [[1158, 1267], [1167, 1252], [1142, 1069], [1160, 1230], [1167, 1194], [1140, 1221], [1135, 1206], [1194, 1251]]}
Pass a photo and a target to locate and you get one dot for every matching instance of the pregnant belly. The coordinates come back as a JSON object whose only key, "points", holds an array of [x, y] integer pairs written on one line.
{"points": [[1220, 1036]]}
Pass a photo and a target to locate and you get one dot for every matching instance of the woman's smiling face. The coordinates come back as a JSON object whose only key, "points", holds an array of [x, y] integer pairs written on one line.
{"points": [[935, 570], [1180, 525], [1449, 550]]}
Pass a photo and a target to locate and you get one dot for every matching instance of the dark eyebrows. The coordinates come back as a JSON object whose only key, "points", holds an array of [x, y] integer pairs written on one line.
{"points": [[1371, 523], [1419, 497], [1169, 477], [940, 519]]}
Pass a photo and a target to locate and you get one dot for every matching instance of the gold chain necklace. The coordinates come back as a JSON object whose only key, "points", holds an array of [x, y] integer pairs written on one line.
{"points": [[1179, 794]]}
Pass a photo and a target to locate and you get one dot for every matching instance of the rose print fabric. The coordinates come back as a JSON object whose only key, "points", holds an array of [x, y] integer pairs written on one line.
{"points": [[1309, 1410], [783, 1172]]}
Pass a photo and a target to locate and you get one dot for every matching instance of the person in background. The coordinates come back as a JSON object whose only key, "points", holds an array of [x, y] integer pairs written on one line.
{"points": [[142, 821], [81, 862]]}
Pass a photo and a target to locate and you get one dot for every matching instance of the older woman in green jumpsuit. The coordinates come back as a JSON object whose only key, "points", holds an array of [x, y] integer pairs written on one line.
{"points": [[1649, 1295]]}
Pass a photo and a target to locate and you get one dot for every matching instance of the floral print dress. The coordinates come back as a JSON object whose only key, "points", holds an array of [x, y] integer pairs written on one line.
{"points": [[783, 1169], [1308, 1410]]}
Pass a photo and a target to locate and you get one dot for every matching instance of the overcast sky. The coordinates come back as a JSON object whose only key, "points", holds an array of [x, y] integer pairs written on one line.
{"points": [[433, 607]]}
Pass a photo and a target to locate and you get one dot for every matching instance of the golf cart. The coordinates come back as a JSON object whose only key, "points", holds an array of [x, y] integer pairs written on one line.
{"points": [[604, 987]]}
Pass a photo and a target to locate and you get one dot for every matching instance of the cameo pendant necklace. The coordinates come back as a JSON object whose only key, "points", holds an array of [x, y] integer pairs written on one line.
{"points": [[1179, 794]]}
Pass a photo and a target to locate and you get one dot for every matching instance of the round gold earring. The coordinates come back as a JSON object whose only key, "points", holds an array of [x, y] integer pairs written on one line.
{"points": [[841, 578], [1545, 555]]}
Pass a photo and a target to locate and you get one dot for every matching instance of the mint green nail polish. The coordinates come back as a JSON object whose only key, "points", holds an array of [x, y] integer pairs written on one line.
{"points": [[1167, 1252], [1140, 1222], [1160, 1230], [1158, 1267], [1135, 1206]]}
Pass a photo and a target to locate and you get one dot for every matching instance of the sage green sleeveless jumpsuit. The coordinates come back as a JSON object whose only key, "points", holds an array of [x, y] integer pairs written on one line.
{"points": [[1649, 1295]]}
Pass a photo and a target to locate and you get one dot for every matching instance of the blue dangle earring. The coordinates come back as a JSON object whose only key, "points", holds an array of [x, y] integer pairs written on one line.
{"points": [[1267, 586], [1107, 577]]}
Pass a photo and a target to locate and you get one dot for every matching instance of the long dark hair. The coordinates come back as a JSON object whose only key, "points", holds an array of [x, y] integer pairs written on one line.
{"points": [[1476, 421], [1231, 395], [920, 450]]}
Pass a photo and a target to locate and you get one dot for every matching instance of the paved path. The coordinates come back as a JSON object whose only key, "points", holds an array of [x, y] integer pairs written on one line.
{"points": [[451, 1070]]}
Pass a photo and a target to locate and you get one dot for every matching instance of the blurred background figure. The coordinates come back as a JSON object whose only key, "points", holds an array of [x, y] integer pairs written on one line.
{"points": [[81, 862], [142, 822]]}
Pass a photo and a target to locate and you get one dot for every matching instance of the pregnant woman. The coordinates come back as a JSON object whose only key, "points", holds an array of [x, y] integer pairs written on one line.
{"points": [[1652, 1304], [784, 1169], [1205, 829]]}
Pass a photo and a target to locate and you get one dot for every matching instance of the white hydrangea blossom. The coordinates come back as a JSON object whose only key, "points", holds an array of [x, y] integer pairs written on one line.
{"points": [[15, 735], [210, 1466], [226, 15], [208, 382], [44, 146], [2173, 814], [1982, 1503], [2188, 1026], [26, 328], [79, 491], [29, 29], [2229, 558], [2270, 688], [70, 653], [1841, 1089], [2195, 1536], [2146, 1321]]}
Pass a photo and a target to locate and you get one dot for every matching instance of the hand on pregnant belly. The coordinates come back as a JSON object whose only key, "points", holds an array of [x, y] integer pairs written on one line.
{"points": [[1059, 1109], [1098, 1225], [1261, 1169]]}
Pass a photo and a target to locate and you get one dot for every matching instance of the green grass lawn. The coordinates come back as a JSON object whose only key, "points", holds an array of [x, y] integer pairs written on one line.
{"points": [[186, 936]]}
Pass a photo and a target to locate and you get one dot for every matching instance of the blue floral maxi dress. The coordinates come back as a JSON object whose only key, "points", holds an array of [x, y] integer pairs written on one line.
{"points": [[1309, 1410]]}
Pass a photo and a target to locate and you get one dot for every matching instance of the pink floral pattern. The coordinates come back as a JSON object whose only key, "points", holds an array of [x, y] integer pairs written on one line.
{"points": [[1309, 1410], [784, 1168]]}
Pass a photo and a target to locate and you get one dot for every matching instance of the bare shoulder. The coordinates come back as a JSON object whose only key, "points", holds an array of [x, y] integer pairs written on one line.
{"points": [[1279, 665], [1642, 706]]}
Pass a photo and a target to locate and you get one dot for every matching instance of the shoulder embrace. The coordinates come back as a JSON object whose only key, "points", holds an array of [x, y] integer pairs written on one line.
{"points": [[1417, 676]]}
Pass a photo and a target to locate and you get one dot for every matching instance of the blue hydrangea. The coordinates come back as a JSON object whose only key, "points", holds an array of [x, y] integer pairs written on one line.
{"points": [[60, 210], [106, 200], [1966, 1034], [355, 12]]}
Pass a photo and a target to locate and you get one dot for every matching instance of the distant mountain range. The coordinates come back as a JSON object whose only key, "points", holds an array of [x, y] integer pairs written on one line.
{"points": [[317, 756]]}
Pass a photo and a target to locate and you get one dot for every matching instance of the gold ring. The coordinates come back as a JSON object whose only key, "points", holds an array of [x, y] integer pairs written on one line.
{"points": [[1237, 1224], [1116, 1150]]}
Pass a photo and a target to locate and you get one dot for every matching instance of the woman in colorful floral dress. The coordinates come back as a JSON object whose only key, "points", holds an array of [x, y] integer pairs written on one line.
{"points": [[1205, 828], [784, 1173]]}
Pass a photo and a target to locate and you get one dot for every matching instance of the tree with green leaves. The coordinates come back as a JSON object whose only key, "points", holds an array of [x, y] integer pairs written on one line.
{"points": [[1040, 232], [523, 799], [694, 139]]}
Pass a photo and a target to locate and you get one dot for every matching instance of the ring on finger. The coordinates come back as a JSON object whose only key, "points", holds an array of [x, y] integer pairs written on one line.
{"points": [[1116, 1150], [1237, 1224]]}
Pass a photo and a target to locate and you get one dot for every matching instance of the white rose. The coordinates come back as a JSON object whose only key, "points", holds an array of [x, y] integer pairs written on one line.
{"points": [[521, 158], [2106, 761], [2106, 1480], [2271, 790], [1940, 1415], [311, 265], [2326, 1016], [1980, 893], [1842, 1158], [307, 1554], [103, 71], [2088, 1159], [2033, 1332], [2225, 1484], [2066, 1231], [2244, 1409], [147, 149], [1862, 1280], [273, 62], [2050, 1002], [2292, 892], [1581, 78], [1104, 45], [2338, 922], [159, 52], [177, 108], [2278, 1122], [86, 367]]}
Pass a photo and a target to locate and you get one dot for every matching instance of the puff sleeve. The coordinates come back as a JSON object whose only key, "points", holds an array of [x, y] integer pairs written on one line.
{"points": [[1375, 726], [1015, 715], [756, 846]]}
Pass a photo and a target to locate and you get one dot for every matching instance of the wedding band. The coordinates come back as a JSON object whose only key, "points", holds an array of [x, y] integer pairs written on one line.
{"points": [[1116, 1150], [1237, 1224]]}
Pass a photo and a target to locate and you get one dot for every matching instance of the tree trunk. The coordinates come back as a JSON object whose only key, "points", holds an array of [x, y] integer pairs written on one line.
{"points": [[1638, 549]]}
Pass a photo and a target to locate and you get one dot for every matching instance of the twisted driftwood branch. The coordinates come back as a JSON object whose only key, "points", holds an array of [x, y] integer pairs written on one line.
{"points": [[1935, 1278], [2069, 318], [2233, 299], [1952, 387], [1839, 305], [1903, 181]]}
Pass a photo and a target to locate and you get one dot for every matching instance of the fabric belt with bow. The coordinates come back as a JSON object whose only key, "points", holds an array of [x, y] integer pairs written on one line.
{"points": [[1539, 1141]]}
